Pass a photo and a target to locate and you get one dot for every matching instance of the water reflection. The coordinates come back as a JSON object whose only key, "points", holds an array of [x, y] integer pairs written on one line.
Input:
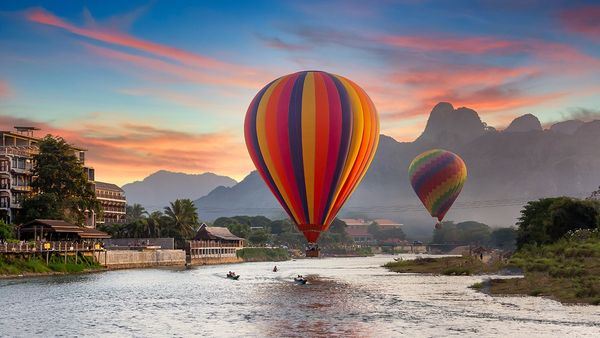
{"points": [[344, 297]]}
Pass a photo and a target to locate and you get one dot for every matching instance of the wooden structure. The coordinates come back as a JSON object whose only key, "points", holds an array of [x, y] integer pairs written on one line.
{"points": [[213, 244], [218, 234], [58, 230]]}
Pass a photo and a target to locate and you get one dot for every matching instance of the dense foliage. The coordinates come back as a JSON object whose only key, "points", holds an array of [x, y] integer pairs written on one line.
{"points": [[7, 231], [548, 219], [60, 185], [179, 220]]}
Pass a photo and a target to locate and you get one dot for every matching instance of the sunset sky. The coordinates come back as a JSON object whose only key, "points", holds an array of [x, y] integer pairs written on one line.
{"points": [[166, 84]]}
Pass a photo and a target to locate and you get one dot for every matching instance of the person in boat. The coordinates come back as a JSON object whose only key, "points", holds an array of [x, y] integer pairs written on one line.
{"points": [[275, 268]]}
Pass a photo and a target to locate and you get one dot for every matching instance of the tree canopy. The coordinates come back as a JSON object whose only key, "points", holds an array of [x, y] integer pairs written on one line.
{"points": [[469, 232], [60, 184], [548, 219]]}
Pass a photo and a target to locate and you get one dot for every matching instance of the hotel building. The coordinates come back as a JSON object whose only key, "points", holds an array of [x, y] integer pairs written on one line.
{"points": [[17, 149]]}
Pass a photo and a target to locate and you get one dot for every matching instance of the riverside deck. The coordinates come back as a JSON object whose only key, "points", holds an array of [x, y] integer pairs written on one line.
{"points": [[42, 247], [212, 252]]}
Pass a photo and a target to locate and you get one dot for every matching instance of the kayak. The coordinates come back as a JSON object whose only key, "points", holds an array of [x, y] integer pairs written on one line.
{"points": [[236, 277]]}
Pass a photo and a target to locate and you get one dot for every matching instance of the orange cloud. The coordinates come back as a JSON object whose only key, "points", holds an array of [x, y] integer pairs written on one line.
{"points": [[125, 152]]}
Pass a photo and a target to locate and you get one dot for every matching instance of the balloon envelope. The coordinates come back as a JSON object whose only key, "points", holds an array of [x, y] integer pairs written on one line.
{"points": [[312, 136], [437, 176]]}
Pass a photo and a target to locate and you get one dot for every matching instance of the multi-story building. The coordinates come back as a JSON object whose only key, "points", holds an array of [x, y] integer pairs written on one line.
{"points": [[17, 149], [112, 203]]}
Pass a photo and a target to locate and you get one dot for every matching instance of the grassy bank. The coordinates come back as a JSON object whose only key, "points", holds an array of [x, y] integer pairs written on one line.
{"points": [[263, 254], [568, 271], [450, 266], [16, 266]]}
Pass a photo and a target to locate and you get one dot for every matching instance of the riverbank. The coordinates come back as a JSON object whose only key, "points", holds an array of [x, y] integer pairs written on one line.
{"points": [[11, 267], [567, 271]]}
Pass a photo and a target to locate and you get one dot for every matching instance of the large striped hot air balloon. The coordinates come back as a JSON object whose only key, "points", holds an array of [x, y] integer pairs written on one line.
{"points": [[437, 176], [312, 136]]}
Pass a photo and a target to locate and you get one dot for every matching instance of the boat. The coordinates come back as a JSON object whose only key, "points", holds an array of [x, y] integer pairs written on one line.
{"points": [[233, 276], [300, 280]]}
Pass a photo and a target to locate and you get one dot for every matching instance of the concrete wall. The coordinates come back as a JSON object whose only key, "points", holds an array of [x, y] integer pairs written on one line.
{"points": [[120, 259]]}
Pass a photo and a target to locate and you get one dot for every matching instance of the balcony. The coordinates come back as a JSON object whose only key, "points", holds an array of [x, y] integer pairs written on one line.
{"points": [[3, 205], [15, 205], [26, 170], [24, 188], [4, 186]]}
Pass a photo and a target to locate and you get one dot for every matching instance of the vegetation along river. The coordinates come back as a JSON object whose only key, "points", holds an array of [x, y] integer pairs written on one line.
{"points": [[345, 297]]}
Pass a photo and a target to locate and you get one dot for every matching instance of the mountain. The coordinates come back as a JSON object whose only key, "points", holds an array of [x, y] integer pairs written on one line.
{"points": [[566, 127], [506, 169], [157, 190]]}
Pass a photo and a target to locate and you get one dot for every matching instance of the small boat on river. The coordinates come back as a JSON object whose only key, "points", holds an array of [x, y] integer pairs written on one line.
{"points": [[300, 280], [232, 275]]}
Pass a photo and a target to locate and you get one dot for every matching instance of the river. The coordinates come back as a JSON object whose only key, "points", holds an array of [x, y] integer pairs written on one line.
{"points": [[344, 297]]}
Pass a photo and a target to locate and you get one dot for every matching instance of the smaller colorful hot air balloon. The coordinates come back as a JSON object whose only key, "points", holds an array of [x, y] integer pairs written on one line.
{"points": [[437, 176]]}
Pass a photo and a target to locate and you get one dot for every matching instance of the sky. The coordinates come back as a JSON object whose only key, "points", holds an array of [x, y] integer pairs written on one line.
{"points": [[150, 85]]}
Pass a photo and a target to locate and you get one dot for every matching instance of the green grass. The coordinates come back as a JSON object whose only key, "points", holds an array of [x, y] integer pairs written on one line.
{"points": [[35, 264], [567, 271], [263, 254], [450, 266]]}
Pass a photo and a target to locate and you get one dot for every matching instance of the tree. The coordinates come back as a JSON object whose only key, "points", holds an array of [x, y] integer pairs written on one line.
{"points": [[182, 219], [7, 231], [135, 212], [469, 232], [60, 185], [504, 238], [259, 237], [549, 219]]}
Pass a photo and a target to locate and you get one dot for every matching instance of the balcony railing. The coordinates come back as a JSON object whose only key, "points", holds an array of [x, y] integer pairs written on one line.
{"points": [[22, 187], [50, 246], [4, 186], [24, 151], [113, 197]]}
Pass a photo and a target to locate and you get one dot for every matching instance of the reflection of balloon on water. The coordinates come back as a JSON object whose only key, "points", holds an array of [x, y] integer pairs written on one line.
{"points": [[312, 136], [437, 176]]}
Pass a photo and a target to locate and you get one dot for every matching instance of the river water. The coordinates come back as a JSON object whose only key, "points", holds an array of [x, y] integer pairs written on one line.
{"points": [[344, 297]]}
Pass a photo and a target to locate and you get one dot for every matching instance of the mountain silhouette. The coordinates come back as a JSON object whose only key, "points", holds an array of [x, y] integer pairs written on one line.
{"points": [[505, 169], [158, 189]]}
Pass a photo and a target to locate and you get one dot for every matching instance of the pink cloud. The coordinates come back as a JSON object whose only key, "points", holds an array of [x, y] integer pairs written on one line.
{"points": [[44, 17], [583, 20], [464, 45], [181, 72]]}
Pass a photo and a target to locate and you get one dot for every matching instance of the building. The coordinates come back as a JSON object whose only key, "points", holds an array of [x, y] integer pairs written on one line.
{"points": [[221, 235], [17, 149], [358, 229], [113, 203], [58, 230]]}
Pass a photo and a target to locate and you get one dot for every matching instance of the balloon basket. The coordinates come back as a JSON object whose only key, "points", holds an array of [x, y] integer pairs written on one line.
{"points": [[313, 252]]}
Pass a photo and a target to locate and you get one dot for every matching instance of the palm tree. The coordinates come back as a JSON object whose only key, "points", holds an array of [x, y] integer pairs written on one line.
{"points": [[182, 218], [154, 224], [135, 212]]}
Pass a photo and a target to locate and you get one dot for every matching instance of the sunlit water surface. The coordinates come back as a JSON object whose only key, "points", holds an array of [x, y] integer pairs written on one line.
{"points": [[344, 297]]}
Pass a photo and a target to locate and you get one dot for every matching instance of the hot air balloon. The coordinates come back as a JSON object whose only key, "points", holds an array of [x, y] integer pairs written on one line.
{"points": [[311, 135], [437, 176]]}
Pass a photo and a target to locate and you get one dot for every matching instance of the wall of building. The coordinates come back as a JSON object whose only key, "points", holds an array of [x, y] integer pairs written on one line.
{"points": [[122, 259]]}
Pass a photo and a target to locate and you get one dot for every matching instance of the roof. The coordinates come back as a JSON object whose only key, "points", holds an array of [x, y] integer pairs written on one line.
{"points": [[215, 233], [384, 222], [353, 221], [58, 225], [107, 186], [89, 233]]}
